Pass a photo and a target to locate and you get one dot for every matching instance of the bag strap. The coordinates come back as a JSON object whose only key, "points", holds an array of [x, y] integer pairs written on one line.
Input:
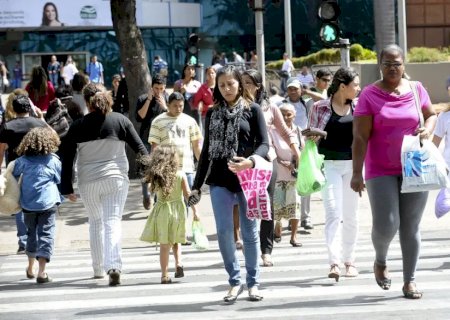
{"points": [[413, 85]]}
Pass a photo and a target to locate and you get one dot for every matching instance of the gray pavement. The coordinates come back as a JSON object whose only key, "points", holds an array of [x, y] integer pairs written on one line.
{"points": [[296, 287]]}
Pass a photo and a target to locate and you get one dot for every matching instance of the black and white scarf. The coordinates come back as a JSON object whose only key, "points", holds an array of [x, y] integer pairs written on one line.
{"points": [[224, 131]]}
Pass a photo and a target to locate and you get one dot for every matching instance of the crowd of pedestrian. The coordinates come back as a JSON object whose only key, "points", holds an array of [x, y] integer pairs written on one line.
{"points": [[211, 133]]}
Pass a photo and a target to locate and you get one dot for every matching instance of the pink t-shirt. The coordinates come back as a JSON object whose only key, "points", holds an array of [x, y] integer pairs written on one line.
{"points": [[393, 117]]}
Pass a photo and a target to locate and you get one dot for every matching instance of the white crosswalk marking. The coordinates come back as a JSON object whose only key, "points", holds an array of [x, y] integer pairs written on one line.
{"points": [[296, 286]]}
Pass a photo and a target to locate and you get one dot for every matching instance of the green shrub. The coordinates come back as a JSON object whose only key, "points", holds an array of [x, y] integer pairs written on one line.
{"points": [[423, 54], [327, 56]]}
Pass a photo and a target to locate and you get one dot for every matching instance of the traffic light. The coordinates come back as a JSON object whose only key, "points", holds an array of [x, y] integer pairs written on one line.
{"points": [[328, 13], [192, 49]]}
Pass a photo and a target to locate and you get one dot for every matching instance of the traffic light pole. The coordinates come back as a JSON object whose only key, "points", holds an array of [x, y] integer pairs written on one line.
{"points": [[344, 47], [259, 25]]}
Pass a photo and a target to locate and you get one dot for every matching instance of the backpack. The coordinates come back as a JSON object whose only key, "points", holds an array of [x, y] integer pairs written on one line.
{"points": [[59, 118]]}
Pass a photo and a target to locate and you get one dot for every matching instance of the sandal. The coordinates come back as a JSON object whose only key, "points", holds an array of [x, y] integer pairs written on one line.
{"points": [[230, 297], [351, 271], [384, 283], [295, 243], [45, 279], [334, 272], [277, 239], [179, 273], [253, 294], [412, 293], [267, 260], [166, 280], [29, 275]]}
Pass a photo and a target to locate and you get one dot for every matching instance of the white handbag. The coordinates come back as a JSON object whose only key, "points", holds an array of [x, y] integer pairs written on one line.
{"points": [[423, 166]]}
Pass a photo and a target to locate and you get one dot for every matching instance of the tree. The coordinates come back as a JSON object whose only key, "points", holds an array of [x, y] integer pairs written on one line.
{"points": [[384, 13], [132, 51], [132, 56]]}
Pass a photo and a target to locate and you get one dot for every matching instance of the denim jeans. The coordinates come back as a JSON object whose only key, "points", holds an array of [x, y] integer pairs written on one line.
{"points": [[41, 233], [223, 201], [21, 230]]}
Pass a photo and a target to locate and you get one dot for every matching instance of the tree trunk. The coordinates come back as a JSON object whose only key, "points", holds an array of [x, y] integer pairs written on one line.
{"points": [[132, 56], [384, 14]]}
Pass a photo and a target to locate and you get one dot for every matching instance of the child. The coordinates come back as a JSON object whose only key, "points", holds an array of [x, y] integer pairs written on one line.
{"points": [[40, 170], [166, 223]]}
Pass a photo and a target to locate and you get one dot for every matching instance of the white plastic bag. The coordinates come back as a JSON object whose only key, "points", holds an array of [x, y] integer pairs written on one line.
{"points": [[442, 203], [423, 167]]}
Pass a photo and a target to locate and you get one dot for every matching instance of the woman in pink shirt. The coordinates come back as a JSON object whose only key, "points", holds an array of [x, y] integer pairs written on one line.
{"points": [[386, 111]]}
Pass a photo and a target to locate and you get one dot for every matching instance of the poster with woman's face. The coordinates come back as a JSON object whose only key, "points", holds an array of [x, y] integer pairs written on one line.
{"points": [[54, 14]]}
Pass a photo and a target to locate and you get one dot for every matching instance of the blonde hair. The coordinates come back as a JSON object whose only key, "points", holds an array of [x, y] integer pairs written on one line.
{"points": [[9, 110], [161, 169], [39, 141]]}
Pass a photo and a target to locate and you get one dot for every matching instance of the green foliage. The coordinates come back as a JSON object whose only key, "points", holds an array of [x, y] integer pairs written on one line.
{"points": [[327, 56], [423, 54]]}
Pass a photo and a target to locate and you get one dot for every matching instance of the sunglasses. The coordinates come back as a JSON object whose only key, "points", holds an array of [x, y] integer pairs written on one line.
{"points": [[396, 65], [325, 79]]}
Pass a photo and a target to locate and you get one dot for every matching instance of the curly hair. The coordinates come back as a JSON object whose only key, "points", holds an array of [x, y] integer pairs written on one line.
{"points": [[39, 141], [161, 169], [97, 98]]}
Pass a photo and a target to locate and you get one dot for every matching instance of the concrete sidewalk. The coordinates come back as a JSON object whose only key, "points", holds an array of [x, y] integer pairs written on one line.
{"points": [[72, 229]]}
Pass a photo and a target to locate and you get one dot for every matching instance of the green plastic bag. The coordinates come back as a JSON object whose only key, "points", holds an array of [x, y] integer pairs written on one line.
{"points": [[199, 236], [310, 177]]}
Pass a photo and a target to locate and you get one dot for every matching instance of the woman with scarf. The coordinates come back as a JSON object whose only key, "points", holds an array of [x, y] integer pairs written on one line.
{"points": [[234, 131]]}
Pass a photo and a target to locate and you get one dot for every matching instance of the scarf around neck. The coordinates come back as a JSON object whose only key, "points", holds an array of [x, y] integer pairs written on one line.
{"points": [[224, 131]]}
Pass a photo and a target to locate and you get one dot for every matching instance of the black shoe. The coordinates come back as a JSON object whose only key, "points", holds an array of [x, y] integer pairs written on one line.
{"points": [[307, 225], [114, 277], [41, 280], [179, 273], [146, 202], [21, 250], [187, 243]]}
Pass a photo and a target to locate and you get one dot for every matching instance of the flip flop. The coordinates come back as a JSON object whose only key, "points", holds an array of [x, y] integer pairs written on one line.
{"points": [[254, 296], [231, 298], [29, 275], [295, 243], [412, 294], [384, 283]]}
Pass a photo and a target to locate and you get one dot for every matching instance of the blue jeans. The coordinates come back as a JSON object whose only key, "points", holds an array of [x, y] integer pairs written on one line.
{"points": [[223, 201], [41, 233], [21, 230]]}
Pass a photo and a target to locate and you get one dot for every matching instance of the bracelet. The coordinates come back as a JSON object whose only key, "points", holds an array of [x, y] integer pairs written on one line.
{"points": [[252, 160]]}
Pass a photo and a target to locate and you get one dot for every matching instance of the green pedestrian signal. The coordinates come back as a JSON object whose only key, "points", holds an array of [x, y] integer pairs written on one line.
{"points": [[329, 33], [328, 12]]}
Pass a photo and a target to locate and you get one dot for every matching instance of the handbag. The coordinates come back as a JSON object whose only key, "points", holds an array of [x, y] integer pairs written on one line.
{"points": [[423, 166]]}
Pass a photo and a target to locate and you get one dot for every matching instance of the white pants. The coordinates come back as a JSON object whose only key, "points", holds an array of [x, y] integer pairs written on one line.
{"points": [[341, 204], [104, 201]]}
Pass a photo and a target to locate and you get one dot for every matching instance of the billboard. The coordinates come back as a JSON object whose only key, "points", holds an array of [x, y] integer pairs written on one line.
{"points": [[57, 14]]}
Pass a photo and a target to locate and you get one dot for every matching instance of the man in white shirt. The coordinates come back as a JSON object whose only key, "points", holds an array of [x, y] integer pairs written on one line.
{"points": [[286, 71], [306, 77], [69, 70]]}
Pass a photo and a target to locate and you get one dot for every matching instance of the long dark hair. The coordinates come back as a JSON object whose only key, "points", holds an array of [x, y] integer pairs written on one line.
{"points": [[187, 65], [236, 74], [38, 82], [343, 75], [256, 77], [45, 21]]}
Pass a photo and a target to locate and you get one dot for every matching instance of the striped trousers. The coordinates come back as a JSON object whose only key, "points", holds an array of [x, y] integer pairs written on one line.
{"points": [[104, 201]]}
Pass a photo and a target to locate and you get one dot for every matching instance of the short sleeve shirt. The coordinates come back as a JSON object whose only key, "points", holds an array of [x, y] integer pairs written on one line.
{"points": [[393, 118], [180, 132], [442, 130]]}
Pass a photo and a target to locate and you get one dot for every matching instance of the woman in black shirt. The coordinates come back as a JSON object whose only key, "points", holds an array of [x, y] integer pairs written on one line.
{"points": [[234, 131]]}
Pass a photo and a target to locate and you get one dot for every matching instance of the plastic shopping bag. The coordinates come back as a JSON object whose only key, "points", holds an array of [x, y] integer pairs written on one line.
{"points": [[442, 203], [423, 167], [310, 176], [198, 233]]}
